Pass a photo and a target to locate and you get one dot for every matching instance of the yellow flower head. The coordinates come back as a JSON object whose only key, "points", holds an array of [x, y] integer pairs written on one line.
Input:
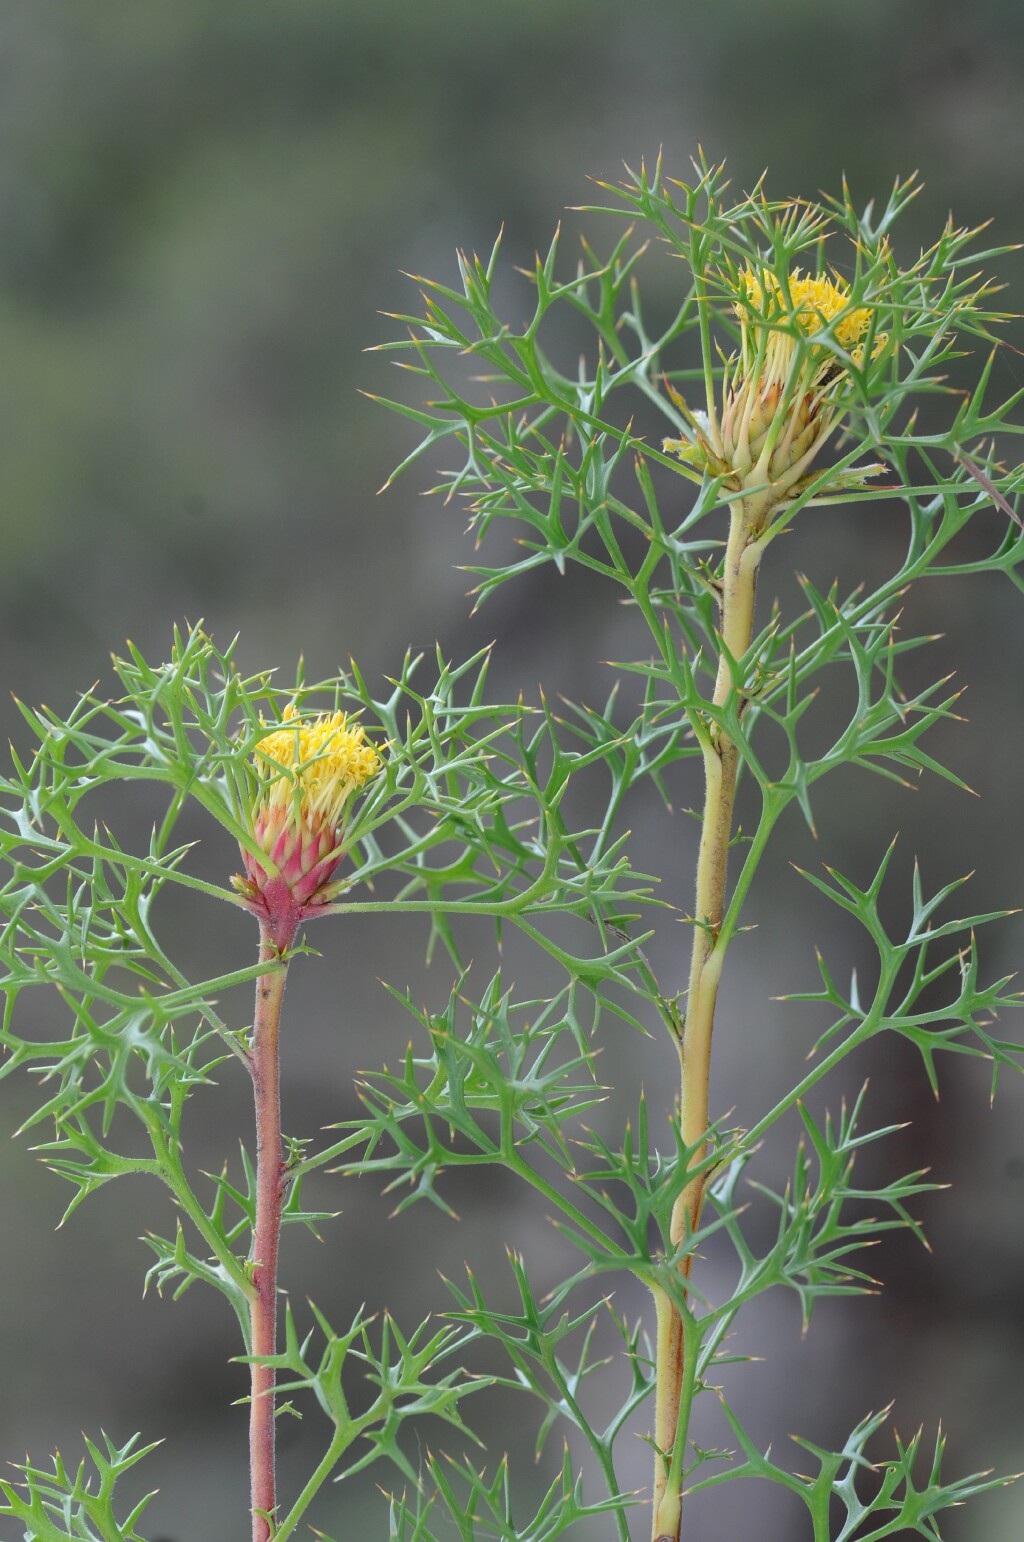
{"points": [[812, 302], [780, 396], [766, 305], [312, 768], [308, 771]]}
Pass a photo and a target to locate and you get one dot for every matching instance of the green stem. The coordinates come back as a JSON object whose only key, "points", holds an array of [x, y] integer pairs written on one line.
{"points": [[514, 1161], [337, 1448], [773, 806], [169, 1165], [600, 1448], [868, 1027], [704, 323]]}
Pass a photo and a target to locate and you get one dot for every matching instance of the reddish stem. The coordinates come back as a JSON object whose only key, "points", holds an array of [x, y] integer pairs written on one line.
{"points": [[264, 1068]]}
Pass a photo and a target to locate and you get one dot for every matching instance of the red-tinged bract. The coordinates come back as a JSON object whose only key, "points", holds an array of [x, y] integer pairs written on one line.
{"points": [[309, 769]]}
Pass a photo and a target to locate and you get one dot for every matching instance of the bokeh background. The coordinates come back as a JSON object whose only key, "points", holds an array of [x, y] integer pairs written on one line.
{"points": [[203, 207]]}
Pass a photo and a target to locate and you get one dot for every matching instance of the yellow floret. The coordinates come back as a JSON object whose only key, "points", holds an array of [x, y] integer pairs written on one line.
{"points": [[784, 391], [313, 767], [813, 302]]}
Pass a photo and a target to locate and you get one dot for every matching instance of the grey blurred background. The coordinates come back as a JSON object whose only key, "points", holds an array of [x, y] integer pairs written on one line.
{"points": [[203, 206]]}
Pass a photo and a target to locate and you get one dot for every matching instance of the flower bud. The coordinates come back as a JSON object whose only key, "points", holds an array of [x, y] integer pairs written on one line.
{"points": [[308, 771]]}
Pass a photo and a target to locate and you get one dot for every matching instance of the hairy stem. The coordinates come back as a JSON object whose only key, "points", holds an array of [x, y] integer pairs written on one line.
{"points": [[264, 1067], [721, 763]]}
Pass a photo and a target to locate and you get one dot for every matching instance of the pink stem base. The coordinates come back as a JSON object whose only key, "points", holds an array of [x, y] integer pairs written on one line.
{"points": [[264, 1066]]}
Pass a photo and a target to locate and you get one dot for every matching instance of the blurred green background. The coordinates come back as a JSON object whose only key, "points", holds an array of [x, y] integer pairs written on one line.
{"points": [[203, 206]]}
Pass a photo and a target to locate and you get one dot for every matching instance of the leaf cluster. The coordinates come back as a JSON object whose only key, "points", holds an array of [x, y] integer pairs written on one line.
{"points": [[76, 1504], [475, 813]]}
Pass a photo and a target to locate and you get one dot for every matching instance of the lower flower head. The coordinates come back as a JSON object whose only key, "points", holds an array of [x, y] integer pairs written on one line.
{"points": [[308, 770]]}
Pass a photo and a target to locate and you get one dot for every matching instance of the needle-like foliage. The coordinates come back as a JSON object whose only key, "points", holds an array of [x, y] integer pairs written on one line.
{"points": [[801, 364]]}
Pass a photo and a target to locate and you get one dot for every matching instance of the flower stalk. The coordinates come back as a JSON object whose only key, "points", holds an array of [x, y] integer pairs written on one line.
{"points": [[781, 402], [721, 764], [307, 772], [264, 1068]]}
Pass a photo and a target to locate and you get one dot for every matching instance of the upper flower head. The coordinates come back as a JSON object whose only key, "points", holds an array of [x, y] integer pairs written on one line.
{"points": [[764, 307], [780, 394], [308, 771], [813, 302]]}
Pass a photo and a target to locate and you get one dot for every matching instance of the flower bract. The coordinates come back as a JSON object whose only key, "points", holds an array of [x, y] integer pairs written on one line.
{"points": [[798, 336], [308, 771]]}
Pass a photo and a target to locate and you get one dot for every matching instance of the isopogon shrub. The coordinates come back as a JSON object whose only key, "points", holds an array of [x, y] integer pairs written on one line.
{"points": [[789, 377]]}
